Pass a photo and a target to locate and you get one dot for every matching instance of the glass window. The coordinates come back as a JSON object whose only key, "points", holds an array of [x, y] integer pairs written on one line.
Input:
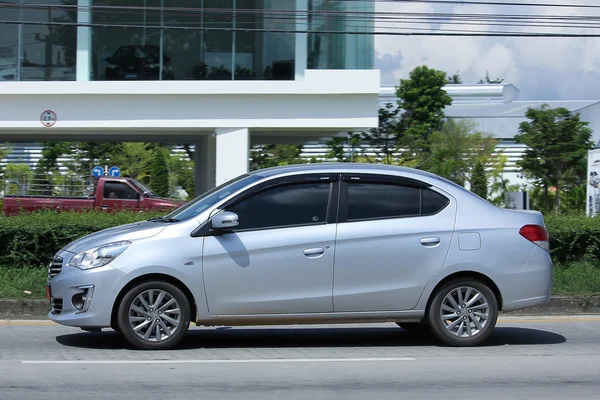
{"points": [[49, 52], [204, 39], [119, 190], [131, 53], [340, 48], [289, 205], [9, 41], [376, 200], [433, 202], [212, 197]]}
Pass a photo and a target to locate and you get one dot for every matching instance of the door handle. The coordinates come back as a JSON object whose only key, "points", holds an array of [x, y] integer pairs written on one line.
{"points": [[314, 252], [432, 241]]}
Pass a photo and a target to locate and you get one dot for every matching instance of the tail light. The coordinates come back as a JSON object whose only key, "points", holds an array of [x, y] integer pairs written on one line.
{"points": [[536, 234]]}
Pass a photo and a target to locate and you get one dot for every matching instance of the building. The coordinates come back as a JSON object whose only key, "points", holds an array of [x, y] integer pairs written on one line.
{"points": [[221, 74]]}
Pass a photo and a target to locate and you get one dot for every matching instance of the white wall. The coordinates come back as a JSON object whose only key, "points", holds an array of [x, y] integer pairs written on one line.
{"points": [[333, 100]]}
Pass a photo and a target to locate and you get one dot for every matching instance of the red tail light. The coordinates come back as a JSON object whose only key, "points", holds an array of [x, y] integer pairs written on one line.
{"points": [[536, 234]]}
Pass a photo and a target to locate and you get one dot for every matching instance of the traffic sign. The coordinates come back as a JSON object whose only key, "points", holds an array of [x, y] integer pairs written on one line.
{"points": [[114, 172], [48, 118], [97, 171]]}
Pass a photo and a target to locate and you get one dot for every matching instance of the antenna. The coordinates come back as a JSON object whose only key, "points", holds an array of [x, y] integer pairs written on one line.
{"points": [[424, 162]]}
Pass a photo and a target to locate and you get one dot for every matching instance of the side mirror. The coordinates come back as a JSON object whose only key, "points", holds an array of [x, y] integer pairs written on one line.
{"points": [[110, 59], [224, 221]]}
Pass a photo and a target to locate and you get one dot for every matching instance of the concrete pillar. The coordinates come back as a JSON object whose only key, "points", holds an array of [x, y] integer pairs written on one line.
{"points": [[301, 62], [233, 153], [83, 69], [204, 164]]}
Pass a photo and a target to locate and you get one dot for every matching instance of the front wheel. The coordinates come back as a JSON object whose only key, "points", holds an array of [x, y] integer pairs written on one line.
{"points": [[463, 313], [154, 315]]}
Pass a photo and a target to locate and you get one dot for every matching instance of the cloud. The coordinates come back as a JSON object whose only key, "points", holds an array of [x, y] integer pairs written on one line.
{"points": [[542, 68]]}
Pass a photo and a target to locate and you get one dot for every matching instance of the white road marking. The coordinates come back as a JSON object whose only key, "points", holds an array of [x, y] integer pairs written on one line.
{"points": [[222, 361]]}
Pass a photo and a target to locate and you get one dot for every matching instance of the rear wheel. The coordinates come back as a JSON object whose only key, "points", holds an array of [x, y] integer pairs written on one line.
{"points": [[154, 315], [463, 313]]}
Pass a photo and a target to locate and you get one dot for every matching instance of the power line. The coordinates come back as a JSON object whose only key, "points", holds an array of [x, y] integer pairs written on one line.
{"points": [[435, 32], [484, 3]]}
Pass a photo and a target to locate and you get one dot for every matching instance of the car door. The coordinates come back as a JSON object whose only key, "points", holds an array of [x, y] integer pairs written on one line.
{"points": [[279, 260], [393, 236]]}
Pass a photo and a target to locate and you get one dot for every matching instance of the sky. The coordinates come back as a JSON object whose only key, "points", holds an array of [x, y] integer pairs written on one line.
{"points": [[541, 68]]}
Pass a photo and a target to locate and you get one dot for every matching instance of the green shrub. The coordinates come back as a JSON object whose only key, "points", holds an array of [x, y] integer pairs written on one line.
{"points": [[574, 238], [33, 239]]}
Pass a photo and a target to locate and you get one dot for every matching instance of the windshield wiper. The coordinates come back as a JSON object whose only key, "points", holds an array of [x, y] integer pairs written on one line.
{"points": [[163, 219]]}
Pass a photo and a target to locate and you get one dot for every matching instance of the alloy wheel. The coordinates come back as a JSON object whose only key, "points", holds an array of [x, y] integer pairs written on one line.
{"points": [[464, 312], [154, 315]]}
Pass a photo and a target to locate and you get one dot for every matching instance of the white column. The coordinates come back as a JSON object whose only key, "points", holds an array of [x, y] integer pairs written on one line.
{"points": [[204, 164], [84, 41], [233, 153], [301, 39]]}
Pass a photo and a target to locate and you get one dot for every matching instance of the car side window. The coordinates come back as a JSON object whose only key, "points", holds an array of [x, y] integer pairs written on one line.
{"points": [[118, 190], [432, 202], [379, 200], [283, 206], [368, 200]]}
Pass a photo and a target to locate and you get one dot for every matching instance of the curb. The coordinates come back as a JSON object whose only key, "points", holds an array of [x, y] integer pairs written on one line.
{"points": [[558, 305]]}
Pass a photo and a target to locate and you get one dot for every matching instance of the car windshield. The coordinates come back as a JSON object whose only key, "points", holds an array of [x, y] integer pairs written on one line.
{"points": [[213, 196], [143, 188]]}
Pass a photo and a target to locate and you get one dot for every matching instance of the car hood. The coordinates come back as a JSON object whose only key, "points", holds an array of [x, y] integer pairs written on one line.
{"points": [[133, 231]]}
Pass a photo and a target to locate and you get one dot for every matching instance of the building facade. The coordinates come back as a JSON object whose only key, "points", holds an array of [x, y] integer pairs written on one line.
{"points": [[221, 74]]}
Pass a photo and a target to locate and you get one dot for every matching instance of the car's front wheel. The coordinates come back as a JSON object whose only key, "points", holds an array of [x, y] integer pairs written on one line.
{"points": [[463, 313], [154, 315]]}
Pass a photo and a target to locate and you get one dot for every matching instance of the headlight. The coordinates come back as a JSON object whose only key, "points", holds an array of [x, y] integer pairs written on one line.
{"points": [[98, 256]]}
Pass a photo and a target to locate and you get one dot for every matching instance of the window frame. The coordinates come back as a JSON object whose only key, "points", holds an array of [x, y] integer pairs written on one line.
{"points": [[332, 202], [392, 180]]}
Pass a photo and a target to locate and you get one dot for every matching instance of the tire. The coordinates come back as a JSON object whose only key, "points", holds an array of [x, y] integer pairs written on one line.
{"points": [[133, 312], [415, 328], [452, 330]]}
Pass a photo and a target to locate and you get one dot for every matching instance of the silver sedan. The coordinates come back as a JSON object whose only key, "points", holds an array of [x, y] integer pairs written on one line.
{"points": [[318, 243]]}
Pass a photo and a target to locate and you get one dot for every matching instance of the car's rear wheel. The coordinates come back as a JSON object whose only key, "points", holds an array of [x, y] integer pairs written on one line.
{"points": [[154, 315], [463, 313]]}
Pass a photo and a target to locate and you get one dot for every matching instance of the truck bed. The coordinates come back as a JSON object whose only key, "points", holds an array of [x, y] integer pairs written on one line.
{"points": [[15, 204]]}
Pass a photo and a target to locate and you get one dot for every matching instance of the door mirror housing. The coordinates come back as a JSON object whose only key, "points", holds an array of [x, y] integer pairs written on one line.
{"points": [[224, 221]]}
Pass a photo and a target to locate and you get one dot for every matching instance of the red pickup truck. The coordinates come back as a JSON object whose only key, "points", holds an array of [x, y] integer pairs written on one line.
{"points": [[106, 194]]}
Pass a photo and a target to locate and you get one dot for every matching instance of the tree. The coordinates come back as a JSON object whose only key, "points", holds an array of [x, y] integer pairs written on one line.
{"points": [[272, 155], [558, 142], [135, 161], [457, 148], [51, 152], [488, 80], [454, 79], [338, 145], [159, 181], [479, 182], [383, 140], [422, 100]]}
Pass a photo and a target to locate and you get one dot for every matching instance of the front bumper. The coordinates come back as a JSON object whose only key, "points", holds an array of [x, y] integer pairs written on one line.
{"points": [[102, 286]]}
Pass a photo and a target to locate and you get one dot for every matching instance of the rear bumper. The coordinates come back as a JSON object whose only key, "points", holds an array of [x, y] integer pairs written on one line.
{"points": [[530, 286]]}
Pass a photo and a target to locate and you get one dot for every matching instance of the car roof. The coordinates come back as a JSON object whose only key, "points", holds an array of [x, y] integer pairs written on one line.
{"points": [[341, 167]]}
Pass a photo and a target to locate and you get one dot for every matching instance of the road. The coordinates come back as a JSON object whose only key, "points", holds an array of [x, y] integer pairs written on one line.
{"points": [[526, 358]]}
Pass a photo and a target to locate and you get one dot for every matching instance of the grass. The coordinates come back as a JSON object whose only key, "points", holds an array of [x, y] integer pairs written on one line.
{"points": [[581, 278], [15, 283], [577, 279]]}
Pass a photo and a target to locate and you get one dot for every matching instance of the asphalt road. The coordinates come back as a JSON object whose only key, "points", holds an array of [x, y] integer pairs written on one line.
{"points": [[526, 358]]}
